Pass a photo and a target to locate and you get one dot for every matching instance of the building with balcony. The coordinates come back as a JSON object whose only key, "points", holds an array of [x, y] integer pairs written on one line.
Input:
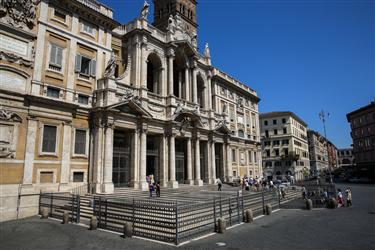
{"points": [[284, 146], [346, 158], [318, 153], [87, 101], [362, 124]]}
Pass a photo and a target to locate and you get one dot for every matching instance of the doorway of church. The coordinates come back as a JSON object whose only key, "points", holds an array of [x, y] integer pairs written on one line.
{"points": [[121, 158], [152, 161]]}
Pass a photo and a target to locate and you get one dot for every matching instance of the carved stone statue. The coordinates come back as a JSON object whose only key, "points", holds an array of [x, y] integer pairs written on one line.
{"points": [[179, 108], [19, 13], [194, 41], [111, 66], [225, 108], [144, 11], [207, 51], [171, 24], [128, 94]]}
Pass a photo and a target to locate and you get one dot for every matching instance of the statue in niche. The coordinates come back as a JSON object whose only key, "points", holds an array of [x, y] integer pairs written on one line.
{"points": [[179, 108], [144, 11], [111, 66], [225, 108], [194, 41]]}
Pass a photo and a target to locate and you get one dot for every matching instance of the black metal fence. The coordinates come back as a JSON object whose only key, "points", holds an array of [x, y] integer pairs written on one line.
{"points": [[58, 203], [166, 220]]}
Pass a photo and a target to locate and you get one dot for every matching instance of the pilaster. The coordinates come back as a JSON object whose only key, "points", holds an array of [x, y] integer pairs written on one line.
{"points": [[32, 127], [66, 151], [108, 186]]}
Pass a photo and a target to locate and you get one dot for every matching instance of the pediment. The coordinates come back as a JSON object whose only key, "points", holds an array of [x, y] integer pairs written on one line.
{"points": [[186, 115], [129, 107]]}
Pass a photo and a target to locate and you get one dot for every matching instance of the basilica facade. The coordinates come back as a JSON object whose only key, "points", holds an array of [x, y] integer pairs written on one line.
{"points": [[88, 101]]}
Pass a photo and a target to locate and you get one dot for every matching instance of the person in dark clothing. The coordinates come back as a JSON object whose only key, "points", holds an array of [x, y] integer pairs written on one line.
{"points": [[157, 189], [219, 184]]}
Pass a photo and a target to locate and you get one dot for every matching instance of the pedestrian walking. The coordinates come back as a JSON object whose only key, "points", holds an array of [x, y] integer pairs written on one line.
{"points": [[151, 188], [348, 194], [340, 198], [219, 183], [157, 189]]}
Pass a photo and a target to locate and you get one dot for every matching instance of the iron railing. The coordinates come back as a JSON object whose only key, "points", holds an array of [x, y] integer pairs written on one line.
{"points": [[58, 203]]}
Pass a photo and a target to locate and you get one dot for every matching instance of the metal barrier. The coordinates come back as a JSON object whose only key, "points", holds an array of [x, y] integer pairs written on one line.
{"points": [[58, 203]]}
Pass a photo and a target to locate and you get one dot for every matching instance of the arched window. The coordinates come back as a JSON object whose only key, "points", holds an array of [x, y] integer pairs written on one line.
{"points": [[200, 91], [154, 74]]}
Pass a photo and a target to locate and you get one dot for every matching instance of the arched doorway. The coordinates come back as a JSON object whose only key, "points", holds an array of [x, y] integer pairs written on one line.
{"points": [[154, 73]]}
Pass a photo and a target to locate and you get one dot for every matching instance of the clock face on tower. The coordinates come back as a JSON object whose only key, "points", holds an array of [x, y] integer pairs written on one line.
{"points": [[186, 9]]}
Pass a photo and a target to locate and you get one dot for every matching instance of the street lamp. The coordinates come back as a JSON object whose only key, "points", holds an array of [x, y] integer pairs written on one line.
{"points": [[323, 115]]}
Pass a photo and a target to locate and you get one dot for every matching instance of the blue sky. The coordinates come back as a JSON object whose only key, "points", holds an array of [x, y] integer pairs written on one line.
{"points": [[299, 55]]}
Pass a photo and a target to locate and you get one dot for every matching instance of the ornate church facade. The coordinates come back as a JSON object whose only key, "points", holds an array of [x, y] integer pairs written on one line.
{"points": [[87, 101]]}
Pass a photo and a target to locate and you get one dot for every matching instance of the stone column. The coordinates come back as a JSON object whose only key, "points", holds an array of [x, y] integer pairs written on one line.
{"points": [[197, 159], [108, 186], [228, 172], [189, 163], [180, 84], [213, 163], [195, 88], [98, 159], [209, 94], [143, 162], [172, 162], [65, 163], [187, 84], [170, 71], [32, 128], [135, 159], [207, 160], [163, 162], [156, 82], [143, 63]]}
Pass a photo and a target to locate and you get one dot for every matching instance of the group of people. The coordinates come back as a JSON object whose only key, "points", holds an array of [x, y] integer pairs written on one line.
{"points": [[153, 185], [348, 196], [249, 183]]}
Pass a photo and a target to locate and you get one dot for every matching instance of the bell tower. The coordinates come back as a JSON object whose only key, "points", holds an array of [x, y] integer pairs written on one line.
{"points": [[187, 9]]}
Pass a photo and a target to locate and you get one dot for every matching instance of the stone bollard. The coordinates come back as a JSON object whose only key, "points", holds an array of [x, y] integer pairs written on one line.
{"points": [[128, 230], [308, 204], [65, 217], [268, 209], [249, 217], [45, 213], [93, 223], [332, 203], [222, 225]]}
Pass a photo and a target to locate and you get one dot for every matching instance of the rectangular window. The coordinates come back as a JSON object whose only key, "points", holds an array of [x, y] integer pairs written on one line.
{"points": [[46, 177], [80, 142], [53, 92], [78, 176], [250, 158], [284, 130], [49, 139], [233, 155], [87, 28], [255, 157], [59, 15], [83, 99], [85, 66], [55, 57], [277, 153], [267, 134], [283, 120], [275, 131], [274, 122], [268, 153], [286, 152], [265, 123], [276, 143]]}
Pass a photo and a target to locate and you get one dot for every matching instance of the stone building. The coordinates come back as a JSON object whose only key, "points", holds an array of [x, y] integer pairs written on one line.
{"points": [[318, 153], [87, 101], [346, 157], [284, 146], [362, 123]]}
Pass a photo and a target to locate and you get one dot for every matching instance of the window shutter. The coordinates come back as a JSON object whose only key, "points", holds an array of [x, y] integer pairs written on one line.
{"points": [[92, 67], [52, 58], [78, 63], [59, 56]]}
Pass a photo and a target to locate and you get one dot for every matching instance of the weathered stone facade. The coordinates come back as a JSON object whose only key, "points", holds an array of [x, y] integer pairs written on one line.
{"points": [[89, 101]]}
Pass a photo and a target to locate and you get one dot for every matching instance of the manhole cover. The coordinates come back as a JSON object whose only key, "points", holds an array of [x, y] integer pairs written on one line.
{"points": [[221, 244]]}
